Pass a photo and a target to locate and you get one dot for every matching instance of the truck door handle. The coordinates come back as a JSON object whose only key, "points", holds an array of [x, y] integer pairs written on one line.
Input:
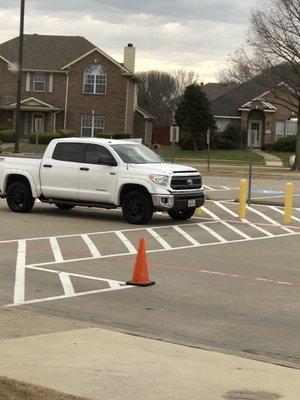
{"points": [[84, 169], [47, 166]]}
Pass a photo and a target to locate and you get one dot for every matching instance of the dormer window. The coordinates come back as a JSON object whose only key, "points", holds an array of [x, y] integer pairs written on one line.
{"points": [[39, 82], [95, 79]]}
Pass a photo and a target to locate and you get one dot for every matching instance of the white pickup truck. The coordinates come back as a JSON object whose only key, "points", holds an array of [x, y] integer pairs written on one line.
{"points": [[102, 173]]}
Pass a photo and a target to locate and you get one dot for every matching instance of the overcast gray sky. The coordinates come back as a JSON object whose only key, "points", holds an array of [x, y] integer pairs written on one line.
{"points": [[168, 34]]}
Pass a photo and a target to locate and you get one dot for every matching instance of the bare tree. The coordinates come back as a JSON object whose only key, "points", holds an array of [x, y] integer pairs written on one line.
{"points": [[183, 79], [160, 92], [156, 94], [272, 56]]}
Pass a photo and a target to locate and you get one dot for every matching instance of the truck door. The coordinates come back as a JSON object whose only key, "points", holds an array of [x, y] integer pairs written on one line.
{"points": [[98, 175], [60, 174]]}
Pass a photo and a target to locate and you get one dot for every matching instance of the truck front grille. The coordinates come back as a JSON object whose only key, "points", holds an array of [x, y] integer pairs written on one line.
{"points": [[186, 182]]}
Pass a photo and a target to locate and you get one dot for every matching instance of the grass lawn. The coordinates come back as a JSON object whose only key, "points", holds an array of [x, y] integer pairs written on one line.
{"points": [[283, 155], [26, 147], [216, 156]]}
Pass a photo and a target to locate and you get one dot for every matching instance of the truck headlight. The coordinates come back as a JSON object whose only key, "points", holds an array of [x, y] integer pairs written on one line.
{"points": [[159, 179]]}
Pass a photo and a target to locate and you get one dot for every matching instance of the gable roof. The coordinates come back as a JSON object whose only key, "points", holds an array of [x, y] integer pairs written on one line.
{"points": [[46, 52], [214, 90], [229, 103]]}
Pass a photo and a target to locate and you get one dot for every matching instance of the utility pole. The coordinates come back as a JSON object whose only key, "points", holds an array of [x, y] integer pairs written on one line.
{"points": [[20, 71]]}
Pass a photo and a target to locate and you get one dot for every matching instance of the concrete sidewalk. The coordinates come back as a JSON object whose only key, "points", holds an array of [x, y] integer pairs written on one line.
{"points": [[101, 364], [270, 159]]}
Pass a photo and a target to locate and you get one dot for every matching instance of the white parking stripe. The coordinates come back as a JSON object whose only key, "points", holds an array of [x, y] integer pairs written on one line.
{"points": [[262, 230], [213, 233], [282, 212], [221, 205], [126, 242], [160, 240], [56, 250], [269, 219], [19, 289], [92, 248], [66, 283], [236, 230], [186, 236], [209, 188], [210, 213]]}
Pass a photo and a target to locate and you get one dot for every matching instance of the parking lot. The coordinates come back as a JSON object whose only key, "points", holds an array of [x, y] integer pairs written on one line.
{"points": [[221, 283]]}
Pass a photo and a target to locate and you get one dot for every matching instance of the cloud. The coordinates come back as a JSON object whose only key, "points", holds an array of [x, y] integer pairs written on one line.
{"points": [[169, 34]]}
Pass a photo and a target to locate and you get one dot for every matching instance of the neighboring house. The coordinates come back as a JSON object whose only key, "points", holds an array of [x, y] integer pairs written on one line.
{"points": [[254, 108], [69, 83]]}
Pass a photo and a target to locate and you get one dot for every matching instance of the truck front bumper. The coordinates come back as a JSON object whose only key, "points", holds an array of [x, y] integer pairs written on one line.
{"points": [[179, 200]]}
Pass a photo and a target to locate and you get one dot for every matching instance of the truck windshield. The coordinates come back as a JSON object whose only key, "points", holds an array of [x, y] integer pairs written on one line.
{"points": [[136, 154]]}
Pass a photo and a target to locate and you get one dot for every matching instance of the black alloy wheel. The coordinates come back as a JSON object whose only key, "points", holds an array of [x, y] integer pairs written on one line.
{"points": [[137, 207], [19, 197]]}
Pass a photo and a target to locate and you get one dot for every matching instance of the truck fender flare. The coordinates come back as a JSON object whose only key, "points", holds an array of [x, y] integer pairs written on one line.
{"points": [[25, 175], [136, 182]]}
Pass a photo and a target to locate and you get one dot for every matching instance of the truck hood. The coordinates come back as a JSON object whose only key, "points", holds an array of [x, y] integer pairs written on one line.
{"points": [[163, 168]]}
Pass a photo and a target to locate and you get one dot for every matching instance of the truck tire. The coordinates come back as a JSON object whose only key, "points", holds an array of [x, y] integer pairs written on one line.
{"points": [[64, 206], [19, 197], [137, 207], [182, 215]]}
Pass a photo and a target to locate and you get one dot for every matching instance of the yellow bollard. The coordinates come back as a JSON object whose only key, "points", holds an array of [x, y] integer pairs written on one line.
{"points": [[198, 212], [243, 198], [288, 204]]}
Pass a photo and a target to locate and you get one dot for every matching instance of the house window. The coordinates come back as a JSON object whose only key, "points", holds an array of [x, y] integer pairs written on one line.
{"points": [[91, 125], [95, 79], [280, 129], [39, 82], [221, 124]]}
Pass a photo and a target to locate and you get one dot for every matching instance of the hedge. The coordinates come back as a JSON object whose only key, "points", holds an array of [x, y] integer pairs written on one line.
{"points": [[7, 136], [113, 136], [46, 137], [287, 143]]}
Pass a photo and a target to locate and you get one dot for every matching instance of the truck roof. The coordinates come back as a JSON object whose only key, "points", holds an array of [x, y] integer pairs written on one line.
{"points": [[95, 140]]}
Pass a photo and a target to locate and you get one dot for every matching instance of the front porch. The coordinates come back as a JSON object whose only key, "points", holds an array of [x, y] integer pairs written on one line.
{"points": [[36, 116], [257, 118]]}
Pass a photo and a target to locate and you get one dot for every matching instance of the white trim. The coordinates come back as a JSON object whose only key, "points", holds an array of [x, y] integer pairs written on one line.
{"points": [[35, 99], [102, 53], [66, 100], [5, 60], [226, 116], [27, 84], [126, 113], [50, 83]]}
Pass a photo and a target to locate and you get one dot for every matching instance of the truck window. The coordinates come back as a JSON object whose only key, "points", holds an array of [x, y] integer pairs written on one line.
{"points": [[98, 154], [71, 152]]}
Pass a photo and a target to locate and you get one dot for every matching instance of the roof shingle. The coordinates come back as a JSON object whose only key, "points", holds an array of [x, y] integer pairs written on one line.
{"points": [[46, 52]]}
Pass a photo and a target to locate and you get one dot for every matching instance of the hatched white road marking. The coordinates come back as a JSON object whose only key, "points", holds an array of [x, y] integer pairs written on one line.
{"points": [[210, 213], [282, 212], [221, 205], [56, 249], [19, 289], [66, 283], [272, 221], [127, 243], [160, 240], [236, 230], [186, 236], [92, 248], [213, 233]]}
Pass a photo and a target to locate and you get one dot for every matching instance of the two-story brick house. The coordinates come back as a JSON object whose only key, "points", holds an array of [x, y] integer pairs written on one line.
{"points": [[69, 83]]}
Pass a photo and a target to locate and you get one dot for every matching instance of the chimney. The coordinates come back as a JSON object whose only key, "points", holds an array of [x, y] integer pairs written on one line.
{"points": [[129, 57]]}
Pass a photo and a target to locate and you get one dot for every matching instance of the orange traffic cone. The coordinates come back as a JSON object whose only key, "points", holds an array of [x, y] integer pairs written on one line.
{"points": [[140, 274]]}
